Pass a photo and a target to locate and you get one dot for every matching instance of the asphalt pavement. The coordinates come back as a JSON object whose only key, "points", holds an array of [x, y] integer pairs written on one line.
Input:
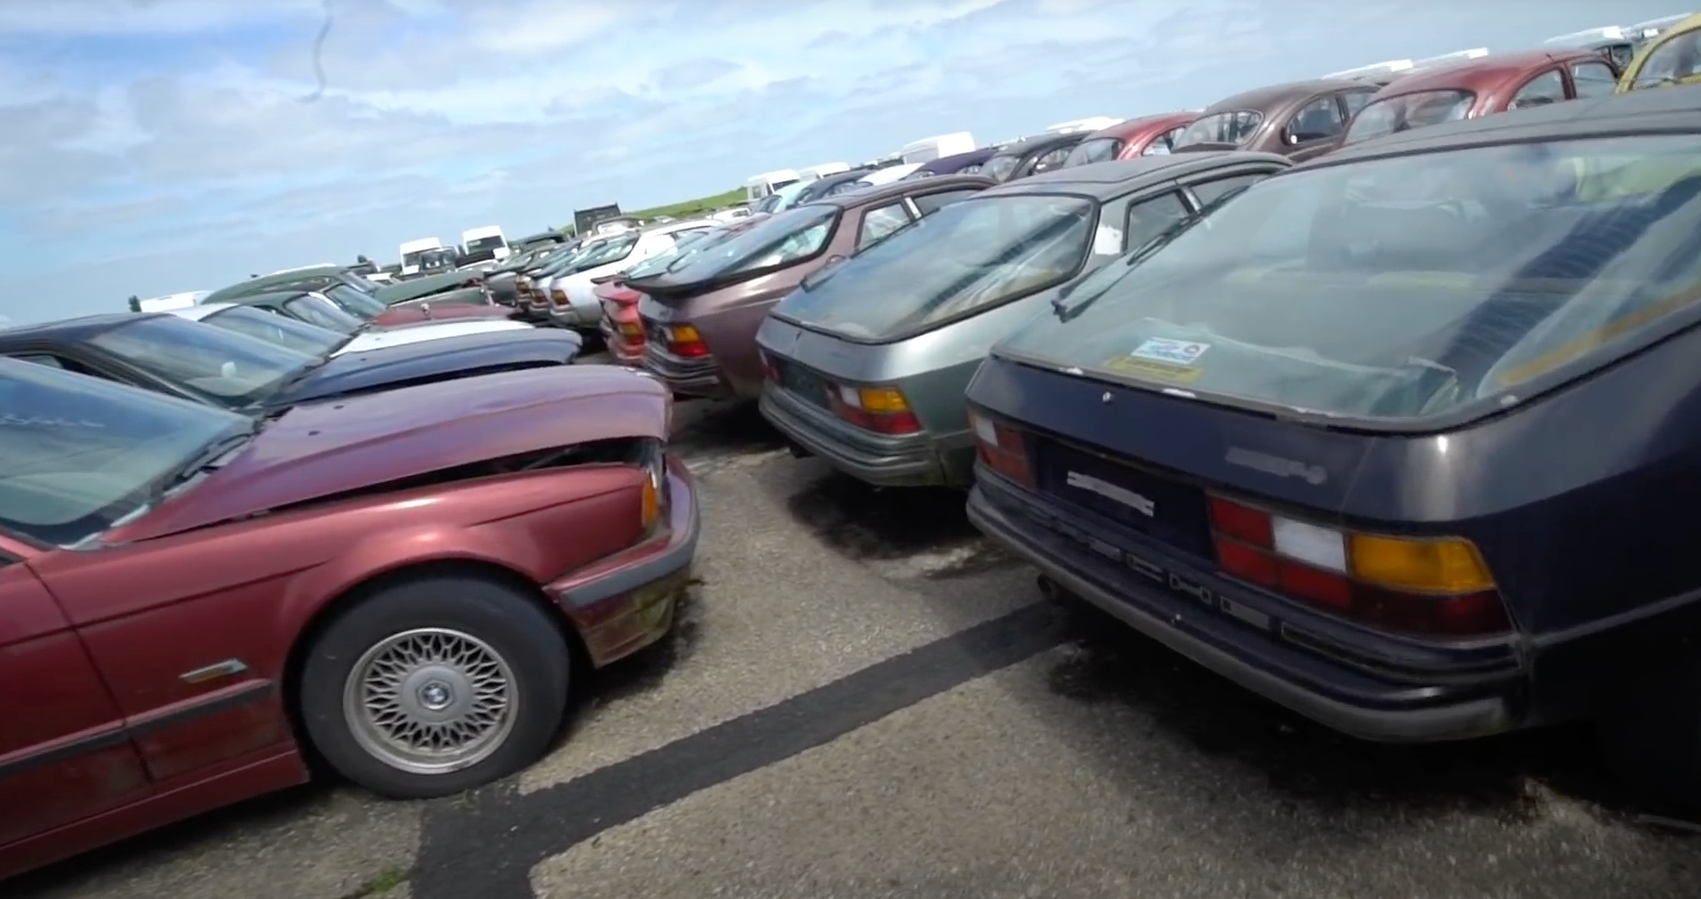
{"points": [[863, 699]]}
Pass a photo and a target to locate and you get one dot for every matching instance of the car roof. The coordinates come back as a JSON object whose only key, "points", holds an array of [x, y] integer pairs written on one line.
{"points": [[1130, 127], [1272, 95], [270, 296], [1021, 146], [1485, 73], [1110, 179], [1668, 111], [871, 195], [80, 328]]}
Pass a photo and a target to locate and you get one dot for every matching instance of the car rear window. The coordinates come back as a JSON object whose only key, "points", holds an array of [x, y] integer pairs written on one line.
{"points": [[968, 256], [785, 238], [1400, 289], [1001, 166], [1099, 149], [1409, 111], [1231, 127]]}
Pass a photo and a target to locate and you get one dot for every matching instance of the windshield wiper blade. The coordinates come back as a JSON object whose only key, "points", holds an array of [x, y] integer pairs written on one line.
{"points": [[210, 452]]}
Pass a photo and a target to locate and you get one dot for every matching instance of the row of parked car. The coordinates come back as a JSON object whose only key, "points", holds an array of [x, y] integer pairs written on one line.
{"points": [[1381, 435], [1376, 435]]}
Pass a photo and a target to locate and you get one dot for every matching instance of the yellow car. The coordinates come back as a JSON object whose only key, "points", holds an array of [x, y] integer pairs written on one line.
{"points": [[1670, 59]]}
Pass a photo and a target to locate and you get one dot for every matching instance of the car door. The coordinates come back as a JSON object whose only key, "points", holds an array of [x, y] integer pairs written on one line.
{"points": [[1313, 128], [65, 754]]}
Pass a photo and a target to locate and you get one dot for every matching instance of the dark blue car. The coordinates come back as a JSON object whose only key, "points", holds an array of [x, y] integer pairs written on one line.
{"points": [[223, 368], [1402, 439]]}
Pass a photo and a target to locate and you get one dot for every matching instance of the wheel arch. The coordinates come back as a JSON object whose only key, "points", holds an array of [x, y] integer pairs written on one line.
{"points": [[354, 594]]}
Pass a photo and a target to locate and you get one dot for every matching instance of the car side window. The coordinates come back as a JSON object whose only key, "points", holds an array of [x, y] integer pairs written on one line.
{"points": [[880, 222], [927, 204], [1209, 192], [1318, 120], [1355, 101], [1149, 217], [1593, 79], [1548, 87], [1164, 143], [42, 359], [1050, 159], [60, 362]]}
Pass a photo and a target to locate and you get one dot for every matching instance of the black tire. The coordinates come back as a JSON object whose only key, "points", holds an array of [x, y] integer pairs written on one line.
{"points": [[1652, 742], [510, 624]]}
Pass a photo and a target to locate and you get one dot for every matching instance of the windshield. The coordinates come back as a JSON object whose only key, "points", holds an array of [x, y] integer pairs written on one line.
{"points": [[1099, 149], [278, 330], [690, 243], [226, 368], [1232, 127], [432, 260], [1408, 111], [360, 282], [616, 249], [416, 257], [79, 453], [1000, 167], [493, 242], [359, 305], [966, 257], [1406, 287], [316, 309], [785, 238], [1672, 62]]}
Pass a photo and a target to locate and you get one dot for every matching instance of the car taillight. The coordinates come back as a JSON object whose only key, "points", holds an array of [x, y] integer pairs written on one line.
{"points": [[1437, 586], [630, 330], [1001, 448], [685, 342], [880, 409], [558, 296], [770, 370]]}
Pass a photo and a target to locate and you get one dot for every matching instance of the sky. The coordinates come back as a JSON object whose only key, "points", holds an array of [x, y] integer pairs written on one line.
{"points": [[157, 146]]}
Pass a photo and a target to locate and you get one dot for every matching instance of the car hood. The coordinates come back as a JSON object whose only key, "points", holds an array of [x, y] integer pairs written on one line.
{"points": [[330, 449], [388, 337], [414, 288], [442, 306], [409, 363]]}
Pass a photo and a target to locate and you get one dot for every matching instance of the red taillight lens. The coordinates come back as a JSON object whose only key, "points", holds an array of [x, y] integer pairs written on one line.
{"points": [[769, 369], [1001, 448], [884, 410], [1432, 586]]}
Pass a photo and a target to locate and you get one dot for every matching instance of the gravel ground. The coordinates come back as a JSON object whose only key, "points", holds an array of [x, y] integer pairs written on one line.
{"points": [[863, 699]]}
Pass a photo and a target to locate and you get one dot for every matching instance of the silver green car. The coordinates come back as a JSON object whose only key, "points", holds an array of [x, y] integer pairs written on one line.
{"points": [[866, 363]]}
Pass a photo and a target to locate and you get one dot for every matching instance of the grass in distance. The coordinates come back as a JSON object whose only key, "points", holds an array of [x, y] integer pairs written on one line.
{"points": [[690, 208]]}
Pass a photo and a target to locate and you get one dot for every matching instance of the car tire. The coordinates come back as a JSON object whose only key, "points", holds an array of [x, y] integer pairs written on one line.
{"points": [[434, 686], [1652, 743]]}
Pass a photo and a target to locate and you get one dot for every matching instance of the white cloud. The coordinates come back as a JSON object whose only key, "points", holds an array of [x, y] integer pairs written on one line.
{"points": [[163, 145]]}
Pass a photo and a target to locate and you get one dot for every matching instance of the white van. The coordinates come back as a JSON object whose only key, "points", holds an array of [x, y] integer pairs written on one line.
{"points": [[930, 148], [764, 184], [172, 302], [413, 249], [484, 243], [817, 172]]}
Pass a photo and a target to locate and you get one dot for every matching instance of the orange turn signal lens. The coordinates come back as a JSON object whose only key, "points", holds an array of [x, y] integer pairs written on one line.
{"points": [[1439, 565]]}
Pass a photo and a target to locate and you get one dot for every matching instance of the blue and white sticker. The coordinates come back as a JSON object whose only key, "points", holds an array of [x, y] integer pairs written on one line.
{"points": [[1174, 352]]}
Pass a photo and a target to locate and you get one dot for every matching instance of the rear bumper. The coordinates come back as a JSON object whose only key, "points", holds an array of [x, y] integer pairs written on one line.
{"points": [[699, 377], [1449, 707], [910, 460], [627, 601]]}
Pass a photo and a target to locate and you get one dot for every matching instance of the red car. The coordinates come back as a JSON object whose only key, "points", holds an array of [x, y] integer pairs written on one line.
{"points": [[1483, 86], [621, 328], [1152, 135], [400, 582]]}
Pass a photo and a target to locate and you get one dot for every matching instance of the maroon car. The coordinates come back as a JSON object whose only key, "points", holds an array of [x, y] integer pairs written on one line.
{"points": [[192, 602], [1299, 120], [1152, 135], [1483, 86], [700, 320]]}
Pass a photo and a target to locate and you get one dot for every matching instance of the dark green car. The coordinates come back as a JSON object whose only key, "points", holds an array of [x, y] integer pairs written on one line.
{"points": [[449, 288]]}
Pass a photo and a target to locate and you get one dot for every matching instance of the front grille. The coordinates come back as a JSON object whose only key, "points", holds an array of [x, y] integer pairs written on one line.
{"points": [[1167, 510]]}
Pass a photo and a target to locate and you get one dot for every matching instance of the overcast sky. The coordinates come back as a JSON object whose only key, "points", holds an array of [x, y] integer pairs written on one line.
{"points": [[155, 146]]}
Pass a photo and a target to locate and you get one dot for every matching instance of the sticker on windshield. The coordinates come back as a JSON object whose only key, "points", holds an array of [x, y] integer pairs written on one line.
{"points": [[1147, 368], [1173, 352], [1107, 241]]}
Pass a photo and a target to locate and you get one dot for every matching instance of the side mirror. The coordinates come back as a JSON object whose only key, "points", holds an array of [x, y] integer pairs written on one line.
{"points": [[1291, 139], [834, 260]]}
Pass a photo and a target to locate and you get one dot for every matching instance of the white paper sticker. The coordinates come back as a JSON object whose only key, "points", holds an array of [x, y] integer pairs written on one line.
{"points": [[1174, 352], [1108, 241]]}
